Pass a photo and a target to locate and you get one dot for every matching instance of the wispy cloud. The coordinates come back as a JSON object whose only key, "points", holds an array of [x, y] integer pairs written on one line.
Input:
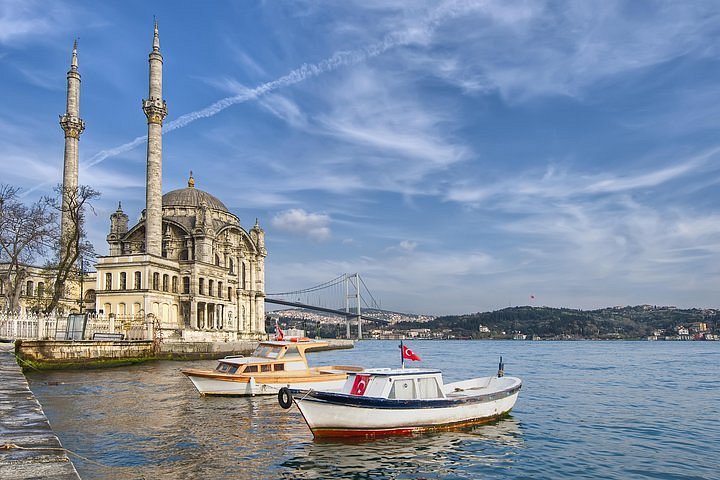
{"points": [[299, 222]]}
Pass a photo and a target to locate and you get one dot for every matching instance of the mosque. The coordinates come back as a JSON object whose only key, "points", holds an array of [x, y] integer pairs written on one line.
{"points": [[188, 263]]}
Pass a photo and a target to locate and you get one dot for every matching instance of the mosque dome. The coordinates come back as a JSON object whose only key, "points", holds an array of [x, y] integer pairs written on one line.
{"points": [[192, 197]]}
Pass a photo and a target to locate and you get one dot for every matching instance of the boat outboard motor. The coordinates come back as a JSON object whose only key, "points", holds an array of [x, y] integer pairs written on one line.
{"points": [[501, 368]]}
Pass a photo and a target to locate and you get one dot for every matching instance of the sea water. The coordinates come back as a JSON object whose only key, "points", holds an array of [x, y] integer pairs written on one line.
{"points": [[587, 409]]}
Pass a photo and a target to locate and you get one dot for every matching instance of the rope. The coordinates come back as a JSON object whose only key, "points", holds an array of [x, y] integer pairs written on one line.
{"points": [[17, 358], [10, 446]]}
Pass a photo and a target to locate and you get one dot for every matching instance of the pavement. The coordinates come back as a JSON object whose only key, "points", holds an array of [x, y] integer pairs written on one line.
{"points": [[28, 446]]}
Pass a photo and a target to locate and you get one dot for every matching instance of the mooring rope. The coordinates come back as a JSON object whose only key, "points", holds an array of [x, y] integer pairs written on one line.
{"points": [[10, 446]]}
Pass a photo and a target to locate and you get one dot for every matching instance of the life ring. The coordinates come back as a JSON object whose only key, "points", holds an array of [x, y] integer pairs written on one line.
{"points": [[285, 398]]}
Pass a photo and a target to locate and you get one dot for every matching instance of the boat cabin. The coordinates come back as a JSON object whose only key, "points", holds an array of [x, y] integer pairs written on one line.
{"points": [[396, 384], [270, 356]]}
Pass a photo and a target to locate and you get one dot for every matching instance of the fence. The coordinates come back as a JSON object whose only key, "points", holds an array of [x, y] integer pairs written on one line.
{"points": [[93, 327]]}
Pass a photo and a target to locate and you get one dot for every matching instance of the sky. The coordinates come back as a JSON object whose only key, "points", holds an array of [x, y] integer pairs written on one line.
{"points": [[461, 156]]}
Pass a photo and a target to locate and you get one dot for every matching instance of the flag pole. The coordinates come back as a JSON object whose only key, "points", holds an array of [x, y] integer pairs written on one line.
{"points": [[402, 355]]}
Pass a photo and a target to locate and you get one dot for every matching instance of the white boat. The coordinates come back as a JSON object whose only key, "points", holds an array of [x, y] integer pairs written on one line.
{"points": [[385, 401], [273, 364]]}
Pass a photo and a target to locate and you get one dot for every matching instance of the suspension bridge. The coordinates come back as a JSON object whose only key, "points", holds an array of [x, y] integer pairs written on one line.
{"points": [[345, 296]]}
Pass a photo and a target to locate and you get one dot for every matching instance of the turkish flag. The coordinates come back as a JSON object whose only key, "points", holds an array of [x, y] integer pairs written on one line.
{"points": [[409, 354], [279, 335], [360, 384]]}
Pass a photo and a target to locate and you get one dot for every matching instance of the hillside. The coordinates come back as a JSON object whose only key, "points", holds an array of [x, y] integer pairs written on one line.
{"points": [[616, 322]]}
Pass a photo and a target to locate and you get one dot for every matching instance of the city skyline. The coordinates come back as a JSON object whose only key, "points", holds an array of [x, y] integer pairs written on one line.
{"points": [[462, 156]]}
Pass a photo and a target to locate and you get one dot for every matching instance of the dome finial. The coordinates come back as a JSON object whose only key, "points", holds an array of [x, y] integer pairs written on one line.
{"points": [[191, 181]]}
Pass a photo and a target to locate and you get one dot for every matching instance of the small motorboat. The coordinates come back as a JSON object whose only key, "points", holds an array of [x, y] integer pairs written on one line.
{"points": [[273, 364], [401, 401]]}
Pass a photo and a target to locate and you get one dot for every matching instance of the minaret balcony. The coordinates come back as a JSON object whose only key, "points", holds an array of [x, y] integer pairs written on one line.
{"points": [[72, 125], [155, 110]]}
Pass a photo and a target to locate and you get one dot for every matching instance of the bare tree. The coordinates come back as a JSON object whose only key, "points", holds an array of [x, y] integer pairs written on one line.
{"points": [[73, 244], [25, 232]]}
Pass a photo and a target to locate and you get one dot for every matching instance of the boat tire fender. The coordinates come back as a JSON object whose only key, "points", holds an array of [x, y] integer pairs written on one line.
{"points": [[285, 398]]}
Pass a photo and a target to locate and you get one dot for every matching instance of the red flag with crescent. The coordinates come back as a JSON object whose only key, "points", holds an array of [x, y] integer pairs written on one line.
{"points": [[279, 335], [360, 384], [409, 354]]}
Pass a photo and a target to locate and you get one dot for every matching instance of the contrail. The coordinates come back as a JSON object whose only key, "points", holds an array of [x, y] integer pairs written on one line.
{"points": [[305, 71]]}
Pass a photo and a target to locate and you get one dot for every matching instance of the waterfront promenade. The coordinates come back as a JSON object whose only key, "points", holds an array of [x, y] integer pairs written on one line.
{"points": [[28, 446]]}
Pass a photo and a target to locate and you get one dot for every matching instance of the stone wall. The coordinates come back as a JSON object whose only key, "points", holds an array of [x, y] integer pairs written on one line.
{"points": [[79, 352]]}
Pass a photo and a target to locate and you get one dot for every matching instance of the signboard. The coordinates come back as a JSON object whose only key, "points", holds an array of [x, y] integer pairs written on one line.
{"points": [[74, 328]]}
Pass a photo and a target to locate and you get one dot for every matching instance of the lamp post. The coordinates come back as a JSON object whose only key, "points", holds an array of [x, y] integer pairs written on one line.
{"points": [[82, 283]]}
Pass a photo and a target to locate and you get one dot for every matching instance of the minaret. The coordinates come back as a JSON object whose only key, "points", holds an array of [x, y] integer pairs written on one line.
{"points": [[155, 110], [73, 126]]}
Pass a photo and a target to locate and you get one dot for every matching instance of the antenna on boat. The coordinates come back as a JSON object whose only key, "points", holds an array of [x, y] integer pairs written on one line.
{"points": [[501, 368]]}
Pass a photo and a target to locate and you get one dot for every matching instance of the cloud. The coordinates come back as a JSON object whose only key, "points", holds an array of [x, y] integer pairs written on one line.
{"points": [[299, 222]]}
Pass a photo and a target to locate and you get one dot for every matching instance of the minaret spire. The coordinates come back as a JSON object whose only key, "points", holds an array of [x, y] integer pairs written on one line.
{"points": [[156, 39], [73, 126], [155, 110]]}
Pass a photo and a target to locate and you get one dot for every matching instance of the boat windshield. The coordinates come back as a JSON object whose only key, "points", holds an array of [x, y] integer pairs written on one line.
{"points": [[267, 351]]}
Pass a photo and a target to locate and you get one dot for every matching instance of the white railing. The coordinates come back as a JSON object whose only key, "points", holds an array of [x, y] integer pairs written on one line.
{"points": [[50, 327]]}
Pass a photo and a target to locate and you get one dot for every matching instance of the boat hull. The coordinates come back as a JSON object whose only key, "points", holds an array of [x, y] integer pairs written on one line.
{"points": [[340, 415], [228, 385]]}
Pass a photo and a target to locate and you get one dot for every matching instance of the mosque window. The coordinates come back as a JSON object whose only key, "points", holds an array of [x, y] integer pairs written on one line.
{"points": [[108, 281], [174, 284], [123, 280], [41, 289], [29, 288], [166, 283], [201, 286], [156, 281], [186, 285], [138, 280]]}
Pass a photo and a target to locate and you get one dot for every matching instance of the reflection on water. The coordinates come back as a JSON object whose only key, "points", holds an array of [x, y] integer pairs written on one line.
{"points": [[458, 454], [610, 410]]}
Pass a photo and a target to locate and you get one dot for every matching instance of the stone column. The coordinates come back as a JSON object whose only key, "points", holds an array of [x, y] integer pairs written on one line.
{"points": [[73, 126], [155, 110]]}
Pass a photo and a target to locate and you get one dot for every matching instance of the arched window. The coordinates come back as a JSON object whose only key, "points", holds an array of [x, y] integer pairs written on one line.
{"points": [[174, 284], [123, 280], [210, 287], [138, 280], [220, 289], [166, 282], [186, 285], [232, 266], [29, 290], [229, 293], [41, 289], [184, 254], [108, 281], [217, 259], [242, 277], [201, 286], [156, 281]]}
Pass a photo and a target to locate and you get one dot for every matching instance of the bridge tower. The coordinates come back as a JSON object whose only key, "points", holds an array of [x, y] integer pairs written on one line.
{"points": [[355, 295]]}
